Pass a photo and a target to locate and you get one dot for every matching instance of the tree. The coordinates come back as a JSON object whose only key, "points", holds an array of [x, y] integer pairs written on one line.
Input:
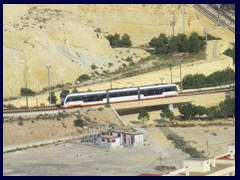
{"points": [[167, 114], [26, 91], [64, 93], [231, 53], [83, 77], [143, 116], [200, 110], [160, 44], [227, 107], [194, 81], [113, 40], [53, 98], [75, 90], [173, 44], [187, 110], [183, 43], [213, 112], [125, 41], [194, 42]]}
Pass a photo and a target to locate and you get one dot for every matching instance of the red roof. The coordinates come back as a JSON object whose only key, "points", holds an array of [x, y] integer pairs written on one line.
{"points": [[225, 157]]}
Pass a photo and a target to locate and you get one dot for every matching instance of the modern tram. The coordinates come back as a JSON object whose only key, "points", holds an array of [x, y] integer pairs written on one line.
{"points": [[110, 96]]}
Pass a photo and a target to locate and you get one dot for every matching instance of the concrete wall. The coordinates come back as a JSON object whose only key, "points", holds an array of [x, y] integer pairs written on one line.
{"points": [[231, 148], [230, 171], [115, 134], [197, 166], [138, 139], [110, 144]]}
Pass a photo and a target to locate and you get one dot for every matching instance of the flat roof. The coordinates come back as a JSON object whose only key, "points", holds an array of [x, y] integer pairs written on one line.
{"points": [[108, 137], [125, 132], [196, 159], [213, 170], [133, 133]]}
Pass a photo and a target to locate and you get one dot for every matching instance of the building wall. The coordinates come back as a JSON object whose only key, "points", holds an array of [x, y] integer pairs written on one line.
{"points": [[197, 166], [116, 134], [231, 148], [139, 139], [110, 144], [128, 140]]}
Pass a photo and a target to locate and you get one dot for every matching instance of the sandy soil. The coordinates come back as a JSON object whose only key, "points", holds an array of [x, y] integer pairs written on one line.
{"points": [[75, 158], [35, 130], [40, 35], [218, 138]]}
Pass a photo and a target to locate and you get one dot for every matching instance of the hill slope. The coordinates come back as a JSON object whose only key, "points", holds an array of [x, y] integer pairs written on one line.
{"points": [[70, 38]]}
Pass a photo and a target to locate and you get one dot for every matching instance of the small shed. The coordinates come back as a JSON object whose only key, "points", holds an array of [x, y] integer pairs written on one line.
{"points": [[133, 138], [108, 141], [117, 134], [197, 164], [231, 150]]}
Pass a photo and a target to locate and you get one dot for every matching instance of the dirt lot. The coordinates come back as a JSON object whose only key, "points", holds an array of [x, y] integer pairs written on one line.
{"points": [[75, 158], [79, 159], [218, 138]]}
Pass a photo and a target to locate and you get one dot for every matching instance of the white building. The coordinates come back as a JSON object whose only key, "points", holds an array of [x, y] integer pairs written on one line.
{"points": [[231, 151], [117, 134], [133, 138], [197, 164], [108, 141], [128, 138]]}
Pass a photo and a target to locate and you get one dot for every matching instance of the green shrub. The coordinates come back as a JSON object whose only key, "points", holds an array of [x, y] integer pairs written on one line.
{"points": [[78, 123]]}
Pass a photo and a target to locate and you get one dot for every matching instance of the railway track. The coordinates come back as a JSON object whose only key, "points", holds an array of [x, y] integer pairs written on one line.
{"points": [[222, 12], [58, 107], [214, 18]]}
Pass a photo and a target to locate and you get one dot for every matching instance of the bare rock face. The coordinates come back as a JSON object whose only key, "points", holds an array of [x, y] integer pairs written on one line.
{"points": [[71, 38]]}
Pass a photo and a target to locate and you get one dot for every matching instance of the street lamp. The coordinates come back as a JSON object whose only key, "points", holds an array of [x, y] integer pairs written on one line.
{"points": [[180, 66], [170, 66], [206, 31], [172, 23], [50, 97], [183, 12]]}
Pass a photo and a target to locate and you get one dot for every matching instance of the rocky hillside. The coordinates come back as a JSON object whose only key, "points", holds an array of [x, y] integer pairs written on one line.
{"points": [[70, 38], [33, 128]]}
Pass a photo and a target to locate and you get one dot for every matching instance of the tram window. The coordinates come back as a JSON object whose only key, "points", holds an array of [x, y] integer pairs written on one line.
{"points": [[69, 99], [151, 92], [114, 95], [131, 93], [167, 89], [77, 98], [92, 98]]}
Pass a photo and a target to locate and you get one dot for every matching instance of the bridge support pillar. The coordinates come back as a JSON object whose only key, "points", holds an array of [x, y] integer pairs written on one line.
{"points": [[170, 106]]}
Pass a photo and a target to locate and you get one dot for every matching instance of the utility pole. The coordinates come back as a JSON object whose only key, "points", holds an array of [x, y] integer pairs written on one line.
{"points": [[110, 82], [206, 32], [180, 66], [62, 86], [26, 95], [230, 77], [207, 149], [171, 71], [172, 23], [50, 97], [37, 101], [160, 159], [161, 80], [183, 12]]}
